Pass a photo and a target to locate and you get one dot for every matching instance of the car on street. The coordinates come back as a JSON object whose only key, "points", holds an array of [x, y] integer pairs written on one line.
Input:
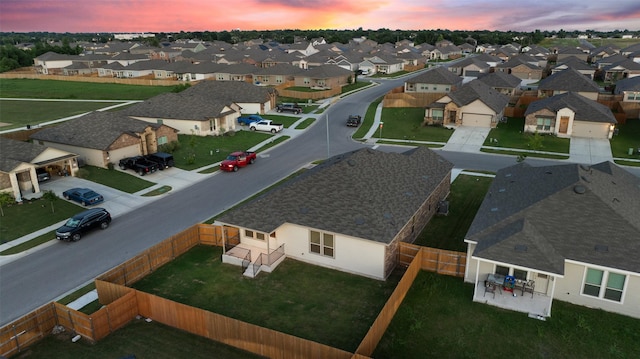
{"points": [[83, 222], [237, 159], [84, 196], [354, 120]]}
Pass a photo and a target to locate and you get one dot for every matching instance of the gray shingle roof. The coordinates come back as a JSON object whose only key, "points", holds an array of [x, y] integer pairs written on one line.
{"points": [[13, 153], [628, 84], [500, 80], [538, 217], [97, 130], [366, 194], [568, 80], [478, 90], [438, 75], [585, 109], [236, 91]]}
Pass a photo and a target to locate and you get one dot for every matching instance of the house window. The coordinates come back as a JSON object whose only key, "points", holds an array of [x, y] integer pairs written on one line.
{"points": [[437, 114], [543, 124], [520, 274], [255, 235], [260, 236], [162, 140], [321, 243], [306, 81], [248, 233], [604, 284], [502, 270]]}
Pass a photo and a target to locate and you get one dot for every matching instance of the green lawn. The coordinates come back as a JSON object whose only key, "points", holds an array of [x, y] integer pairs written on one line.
{"points": [[139, 338], [286, 121], [628, 137], [406, 124], [126, 182], [438, 319], [367, 121], [22, 219], [447, 232], [311, 302], [17, 113], [52, 89], [510, 135], [199, 151]]}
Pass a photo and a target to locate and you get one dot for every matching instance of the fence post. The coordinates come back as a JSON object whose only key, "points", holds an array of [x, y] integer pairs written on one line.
{"points": [[15, 335], [124, 275], [108, 319], [73, 327], [93, 329], [149, 260]]}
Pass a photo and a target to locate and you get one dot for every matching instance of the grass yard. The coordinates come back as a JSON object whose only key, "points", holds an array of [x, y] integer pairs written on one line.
{"points": [[367, 121], [53, 89], [628, 137], [17, 113], [510, 135], [126, 182], [286, 121], [30, 216], [139, 338], [406, 124], [311, 302], [199, 151], [447, 232], [438, 319]]}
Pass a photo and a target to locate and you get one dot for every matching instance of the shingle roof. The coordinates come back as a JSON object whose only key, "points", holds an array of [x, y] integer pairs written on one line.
{"points": [[366, 194], [628, 84], [438, 75], [568, 80], [236, 91], [97, 130], [538, 217], [585, 109], [478, 90], [13, 153], [500, 80]]}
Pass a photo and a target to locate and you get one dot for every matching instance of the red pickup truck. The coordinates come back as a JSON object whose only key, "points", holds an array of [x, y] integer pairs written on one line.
{"points": [[237, 159]]}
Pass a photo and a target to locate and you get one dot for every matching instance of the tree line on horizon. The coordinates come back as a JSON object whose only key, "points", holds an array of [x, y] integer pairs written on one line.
{"points": [[11, 57]]}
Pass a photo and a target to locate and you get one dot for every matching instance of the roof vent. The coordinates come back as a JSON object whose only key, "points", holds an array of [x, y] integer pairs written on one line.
{"points": [[579, 189], [548, 172], [360, 221], [502, 190], [602, 248], [387, 215], [585, 167], [425, 177], [494, 209], [304, 210], [520, 248], [508, 175], [351, 162], [408, 193], [585, 179]]}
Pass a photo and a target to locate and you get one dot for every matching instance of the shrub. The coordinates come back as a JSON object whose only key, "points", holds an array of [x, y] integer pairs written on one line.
{"points": [[169, 147], [82, 173], [230, 133], [110, 165]]}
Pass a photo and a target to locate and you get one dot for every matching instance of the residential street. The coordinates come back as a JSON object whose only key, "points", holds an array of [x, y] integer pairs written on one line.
{"points": [[48, 273]]}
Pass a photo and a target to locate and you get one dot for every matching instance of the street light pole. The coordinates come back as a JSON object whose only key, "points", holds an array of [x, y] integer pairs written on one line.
{"points": [[381, 123], [328, 150]]}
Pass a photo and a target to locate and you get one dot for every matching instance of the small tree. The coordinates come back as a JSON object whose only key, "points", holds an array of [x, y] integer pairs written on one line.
{"points": [[51, 197], [5, 199], [536, 141]]}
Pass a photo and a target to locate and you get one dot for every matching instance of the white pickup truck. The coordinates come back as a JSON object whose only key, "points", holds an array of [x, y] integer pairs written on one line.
{"points": [[266, 126]]}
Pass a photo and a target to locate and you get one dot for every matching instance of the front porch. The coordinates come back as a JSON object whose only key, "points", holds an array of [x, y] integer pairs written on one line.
{"points": [[535, 304], [253, 259]]}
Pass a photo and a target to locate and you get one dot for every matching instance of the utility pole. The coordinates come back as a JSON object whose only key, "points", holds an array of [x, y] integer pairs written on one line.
{"points": [[328, 150]]}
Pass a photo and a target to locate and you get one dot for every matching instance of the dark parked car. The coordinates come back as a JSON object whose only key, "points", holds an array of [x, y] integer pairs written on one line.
{"points": [[354, 121], [83, 222], [289, 107], [83, 196], [162, 159], [42, 174]]}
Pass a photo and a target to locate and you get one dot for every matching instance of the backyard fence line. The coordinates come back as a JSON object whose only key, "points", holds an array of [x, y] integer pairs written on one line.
{"points": [[122, 304]]}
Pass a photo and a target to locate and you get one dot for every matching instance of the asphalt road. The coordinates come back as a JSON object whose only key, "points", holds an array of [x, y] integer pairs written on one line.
{"points": [[46, 274]]}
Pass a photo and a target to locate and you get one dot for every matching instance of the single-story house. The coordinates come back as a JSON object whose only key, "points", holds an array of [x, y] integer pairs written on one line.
{"points": [[470, 67], [348, 213], [502, 82], [20, 162], [629, 88], [102, 137], [323, 77], [522, 67], [569, 232], [385, 64], [435, 80], [474, 104], [252, 99], [569, 80], [575, 63], [570, 115]]}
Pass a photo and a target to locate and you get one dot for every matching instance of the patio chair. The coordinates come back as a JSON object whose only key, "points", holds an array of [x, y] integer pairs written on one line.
{"points": [[528, 287], [489, 288]]}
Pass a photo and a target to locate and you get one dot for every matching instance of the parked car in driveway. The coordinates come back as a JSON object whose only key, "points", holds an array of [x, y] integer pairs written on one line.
{"points": [[161, 159], [43, 175], [84, 196], [83, 222]]}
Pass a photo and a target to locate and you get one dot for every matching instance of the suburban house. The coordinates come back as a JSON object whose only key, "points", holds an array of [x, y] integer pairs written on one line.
{"points": [[99, 138], [435, 80], [502, 82], [567, 232], [565, 52], [629, 88], [475, 104], [575, 63], [20, 163], [52, 63], [520, 67], [569, 80], [621, 70], [323, 77], [385, 64], [252, 99], [570, 115], [470, 67], [193, 111], [348, 213]]}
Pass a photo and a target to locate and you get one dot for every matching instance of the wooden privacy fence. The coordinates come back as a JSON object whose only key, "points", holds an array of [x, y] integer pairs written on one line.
{"points": [[122, 304], [410, 99], [112, 80]]}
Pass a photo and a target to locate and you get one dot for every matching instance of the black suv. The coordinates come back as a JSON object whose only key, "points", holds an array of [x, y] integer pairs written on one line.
{"points": [[162, 159], [82, 222]]}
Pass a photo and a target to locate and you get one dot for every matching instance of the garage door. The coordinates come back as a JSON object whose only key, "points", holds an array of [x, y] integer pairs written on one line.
{"points": [[476, 120], [590, 129]]}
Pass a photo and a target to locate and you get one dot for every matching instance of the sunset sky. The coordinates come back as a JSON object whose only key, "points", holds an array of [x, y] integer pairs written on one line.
{"points": [[102, 16]]}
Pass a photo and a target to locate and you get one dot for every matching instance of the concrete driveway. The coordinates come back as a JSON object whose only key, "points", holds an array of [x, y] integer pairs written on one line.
{"points": [[589, 150], [467, 139]]}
